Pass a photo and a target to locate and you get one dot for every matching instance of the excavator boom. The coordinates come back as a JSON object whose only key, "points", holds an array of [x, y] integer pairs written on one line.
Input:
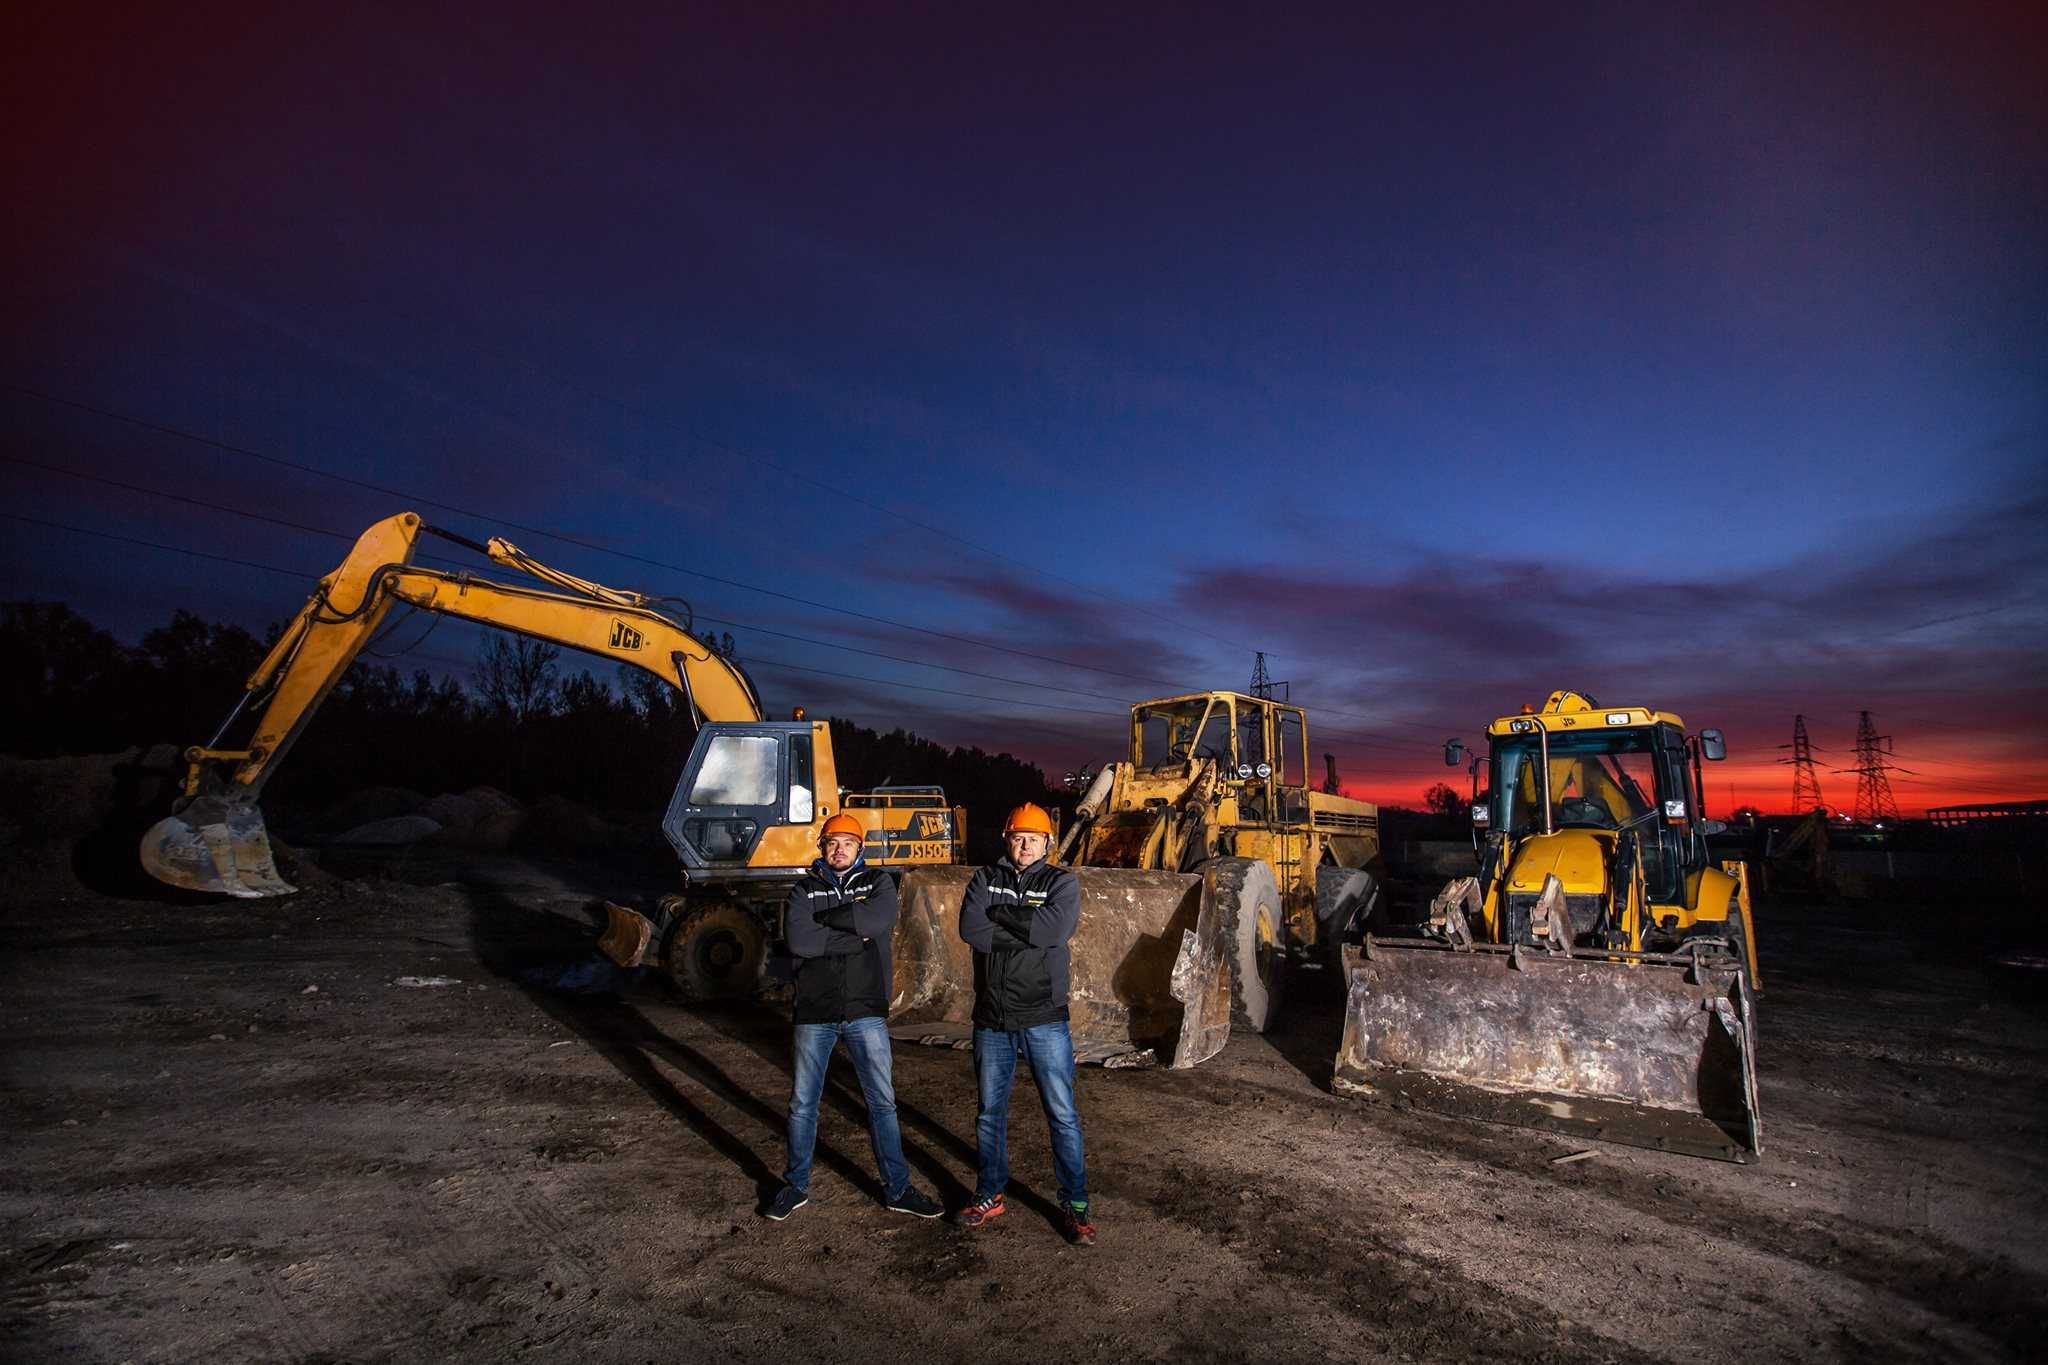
{"points": [[216, 840]]}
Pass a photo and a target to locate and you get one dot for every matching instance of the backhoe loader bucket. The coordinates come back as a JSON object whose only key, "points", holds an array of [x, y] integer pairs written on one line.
{"points": [[1651, 1050], [1158, 960], [214, 845]]}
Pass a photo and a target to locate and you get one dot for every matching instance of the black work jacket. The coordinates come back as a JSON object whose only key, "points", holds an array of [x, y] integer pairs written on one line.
{"points": [[838, 927], [1018, 921]]}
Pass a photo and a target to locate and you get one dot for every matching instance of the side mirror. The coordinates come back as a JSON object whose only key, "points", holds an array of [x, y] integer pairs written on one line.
{"points": [[1713, 747], [1713, 826], [1454, 752]]}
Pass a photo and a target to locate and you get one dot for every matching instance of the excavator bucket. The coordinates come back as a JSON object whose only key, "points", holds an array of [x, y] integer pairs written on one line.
{"points": [[1159, 961], [1650, 1050], [214, 845]]}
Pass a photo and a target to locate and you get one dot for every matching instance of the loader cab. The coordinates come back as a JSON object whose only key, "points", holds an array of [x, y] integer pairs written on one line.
{"points": [[1260, 747], [750, 794]]}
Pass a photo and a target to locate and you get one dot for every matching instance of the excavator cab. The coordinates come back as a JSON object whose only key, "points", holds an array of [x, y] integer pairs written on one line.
{"points": [[752, 794], [745, 785]]}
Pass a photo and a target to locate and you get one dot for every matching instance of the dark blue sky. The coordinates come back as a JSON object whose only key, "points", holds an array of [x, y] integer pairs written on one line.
{"points": [[1692, 356]]}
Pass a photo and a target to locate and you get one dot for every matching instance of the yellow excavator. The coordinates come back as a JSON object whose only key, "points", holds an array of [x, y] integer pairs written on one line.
{"points": [[1599, 976], [1205, 862], [746, 812]]}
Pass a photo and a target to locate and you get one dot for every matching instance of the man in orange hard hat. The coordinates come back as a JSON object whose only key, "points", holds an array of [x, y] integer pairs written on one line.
{"points": [[1017, 915], [838, 920]]}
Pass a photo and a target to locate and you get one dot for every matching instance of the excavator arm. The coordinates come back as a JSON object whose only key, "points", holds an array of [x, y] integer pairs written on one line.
{"points": [[215, 839]]}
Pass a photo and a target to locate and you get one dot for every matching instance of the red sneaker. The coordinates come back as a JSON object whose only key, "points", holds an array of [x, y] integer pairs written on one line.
{"points": [[982, 1212], [1074, 1225]]}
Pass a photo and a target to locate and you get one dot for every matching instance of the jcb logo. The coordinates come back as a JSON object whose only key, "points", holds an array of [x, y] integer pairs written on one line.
{"points": [[625, 637], [932, 826]]}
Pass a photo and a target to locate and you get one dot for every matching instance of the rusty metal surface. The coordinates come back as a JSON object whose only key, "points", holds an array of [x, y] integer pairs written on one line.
{"points": [[214, 845], [1652, 1051], [1132, 932]]}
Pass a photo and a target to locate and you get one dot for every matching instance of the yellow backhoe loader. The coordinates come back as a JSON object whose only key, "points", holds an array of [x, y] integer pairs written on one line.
{"points": [[1205, 859], [746, 812], [1598, 977]]}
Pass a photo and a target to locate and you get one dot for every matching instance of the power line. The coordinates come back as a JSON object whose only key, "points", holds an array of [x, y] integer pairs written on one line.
{"points": [[827, 644], [749, 660], [337, 535], [248, 452], [1172, 685], [153, 545], [384, 491]]}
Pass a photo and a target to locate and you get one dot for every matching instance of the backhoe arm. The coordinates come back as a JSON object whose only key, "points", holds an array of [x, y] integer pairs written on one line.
{"points": [[216, 840]]}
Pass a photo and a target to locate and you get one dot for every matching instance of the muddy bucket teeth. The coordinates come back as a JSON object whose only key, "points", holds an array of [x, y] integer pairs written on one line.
{"points": [[214, 846], [1644, 1049]]}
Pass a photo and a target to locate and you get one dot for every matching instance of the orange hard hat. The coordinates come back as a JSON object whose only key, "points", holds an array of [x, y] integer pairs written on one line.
{"points": [[1029, 819], [843, 823]]}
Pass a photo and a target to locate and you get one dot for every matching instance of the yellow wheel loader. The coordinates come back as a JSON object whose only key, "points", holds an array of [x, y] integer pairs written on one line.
{"points": [[747, 809], [1598, 977], [1204, 860]]}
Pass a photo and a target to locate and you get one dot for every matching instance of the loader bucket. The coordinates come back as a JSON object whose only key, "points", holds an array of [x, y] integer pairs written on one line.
{"points": [[214, 845], [1153, 961], [1649, 1050]]}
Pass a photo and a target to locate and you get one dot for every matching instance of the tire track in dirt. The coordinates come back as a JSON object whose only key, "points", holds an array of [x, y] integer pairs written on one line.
{"points": [[1969, 1303]]}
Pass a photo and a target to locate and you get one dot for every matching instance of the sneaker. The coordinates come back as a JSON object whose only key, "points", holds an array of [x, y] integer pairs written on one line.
{"points": [[787, 1200], [982, 1212], [1074, 1225], [914, 1202]]}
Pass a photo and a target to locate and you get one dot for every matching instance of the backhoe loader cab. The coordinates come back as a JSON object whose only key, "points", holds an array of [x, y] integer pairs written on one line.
{"points": [[1598, 976], [1601, 799]]}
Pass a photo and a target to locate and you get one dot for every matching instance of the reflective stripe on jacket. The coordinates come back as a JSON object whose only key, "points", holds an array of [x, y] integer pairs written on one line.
{"points": [[842, 966], [1018, 921]]}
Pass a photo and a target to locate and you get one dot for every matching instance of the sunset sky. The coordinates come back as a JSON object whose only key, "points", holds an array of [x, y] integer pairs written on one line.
{"points": [[1689, 356]]}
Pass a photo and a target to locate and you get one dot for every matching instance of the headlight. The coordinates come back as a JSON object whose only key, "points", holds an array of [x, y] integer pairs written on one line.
{"points": [[1674, 810], [1481, 816], [1244, 772], [1617, 717], [1265, 770], [1522, 727]]}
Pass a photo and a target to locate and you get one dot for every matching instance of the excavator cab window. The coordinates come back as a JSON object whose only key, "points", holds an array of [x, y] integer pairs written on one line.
{"points": [[802, 801], [738, 770]]}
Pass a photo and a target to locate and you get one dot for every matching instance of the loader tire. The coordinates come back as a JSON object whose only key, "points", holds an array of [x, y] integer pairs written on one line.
{"points": [[717, 952], [1347, 899], [1256, 930]]}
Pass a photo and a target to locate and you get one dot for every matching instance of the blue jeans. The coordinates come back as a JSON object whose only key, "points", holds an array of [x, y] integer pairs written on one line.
{"points": [[867, 1042], [1048, 1050]]}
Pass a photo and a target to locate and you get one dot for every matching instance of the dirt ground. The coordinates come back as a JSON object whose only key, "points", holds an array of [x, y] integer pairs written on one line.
{"points": [[232, 1135]]}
